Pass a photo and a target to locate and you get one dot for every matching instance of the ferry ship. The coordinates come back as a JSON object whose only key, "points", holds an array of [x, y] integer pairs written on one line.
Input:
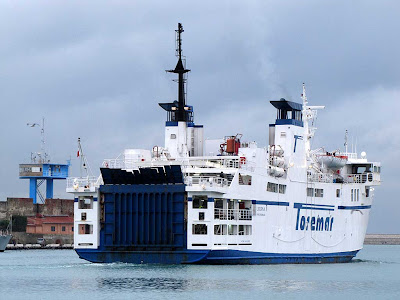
{"points": [[226, 201]]}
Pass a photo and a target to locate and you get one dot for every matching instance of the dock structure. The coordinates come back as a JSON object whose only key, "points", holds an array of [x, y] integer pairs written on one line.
{"points": [[38, 246], [382, 239], [40, 170], [38, 173]]}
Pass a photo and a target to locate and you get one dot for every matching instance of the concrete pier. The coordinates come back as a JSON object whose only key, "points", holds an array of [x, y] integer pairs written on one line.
{"points": [[38, 246], [382, 239]]}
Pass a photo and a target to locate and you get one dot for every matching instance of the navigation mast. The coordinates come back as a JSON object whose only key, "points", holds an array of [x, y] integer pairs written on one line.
{"points": [[180, 70]]}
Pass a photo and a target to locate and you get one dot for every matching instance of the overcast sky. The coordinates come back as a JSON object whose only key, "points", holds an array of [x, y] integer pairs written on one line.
{"points": [[95, 70]]}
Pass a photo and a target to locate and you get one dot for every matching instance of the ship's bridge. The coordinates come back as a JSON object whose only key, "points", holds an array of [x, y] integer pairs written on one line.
{"points": [[172, 116], [288, 112]]}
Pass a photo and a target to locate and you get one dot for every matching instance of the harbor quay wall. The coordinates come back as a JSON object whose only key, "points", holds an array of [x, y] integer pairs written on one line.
{"points": [[382, 239], [32, 238], [25, 207]]}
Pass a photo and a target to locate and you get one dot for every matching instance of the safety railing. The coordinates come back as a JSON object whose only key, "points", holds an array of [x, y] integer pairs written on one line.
{"points": [[320, 177], [82, 182], [207, 162], [232, 214], [359, 178], [206, 181]]}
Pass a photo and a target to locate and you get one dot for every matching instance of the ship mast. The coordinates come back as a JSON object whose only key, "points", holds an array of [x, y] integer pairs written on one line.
{"points": [[180, 70]]}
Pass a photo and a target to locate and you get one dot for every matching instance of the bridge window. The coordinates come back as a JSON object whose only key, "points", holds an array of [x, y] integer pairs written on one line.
{"points": [[199, 201], [337, 193], [220, 229], [219, 203], [355, 195], [201, 216], [310, 192], [199, 229], [245, 230], [85, 202], [232, 229], [319, 192], [272, 187], [367, 189], [282, 188], [85, 229], [83, 216]]}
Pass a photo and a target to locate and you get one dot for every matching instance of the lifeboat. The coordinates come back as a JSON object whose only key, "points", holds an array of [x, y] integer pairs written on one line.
{"points": [[332, 160], [276, 171]]}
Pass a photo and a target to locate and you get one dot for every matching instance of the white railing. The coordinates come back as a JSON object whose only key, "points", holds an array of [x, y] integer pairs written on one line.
{"points": [[207, 162], [82, 182], [359, 178], [118, 163], [315, 177], [232, 214], [206, 181], [349, 178]]}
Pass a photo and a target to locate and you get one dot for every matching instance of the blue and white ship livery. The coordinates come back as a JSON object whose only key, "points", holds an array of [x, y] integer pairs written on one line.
{"points": [[226, 201]]}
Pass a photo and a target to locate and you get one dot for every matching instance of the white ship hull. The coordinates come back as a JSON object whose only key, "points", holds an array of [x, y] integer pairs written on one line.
{"points": [[226, 201]]}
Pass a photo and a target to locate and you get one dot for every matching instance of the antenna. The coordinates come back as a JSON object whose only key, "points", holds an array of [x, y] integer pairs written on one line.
{"points": [[42, 155], [181, 114], [304, 96], [179, 41], [345, 140], [84, 164]]}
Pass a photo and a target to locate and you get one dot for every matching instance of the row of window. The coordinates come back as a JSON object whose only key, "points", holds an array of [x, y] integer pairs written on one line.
{"points": [[85, 202], [311, 192], [199, 201], [222, 229], [355, 195], [276, 188], [85, 229], [63, 228], [377, 169]]}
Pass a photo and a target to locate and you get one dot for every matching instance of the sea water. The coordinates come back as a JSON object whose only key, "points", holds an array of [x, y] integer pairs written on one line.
{"points": [[60, 274]]}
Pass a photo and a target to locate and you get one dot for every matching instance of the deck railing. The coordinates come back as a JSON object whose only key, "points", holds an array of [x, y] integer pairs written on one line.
{"points": [[206, 181], [82, 182], [359, 178], [349, 178], [315, 177], [232, 214], [211, 162]]}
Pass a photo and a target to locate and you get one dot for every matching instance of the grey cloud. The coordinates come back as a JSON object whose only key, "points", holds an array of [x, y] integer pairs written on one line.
{"points": [[95, 70]]}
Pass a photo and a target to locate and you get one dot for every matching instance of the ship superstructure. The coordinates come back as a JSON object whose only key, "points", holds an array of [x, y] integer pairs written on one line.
{"points": [[226, 201]]}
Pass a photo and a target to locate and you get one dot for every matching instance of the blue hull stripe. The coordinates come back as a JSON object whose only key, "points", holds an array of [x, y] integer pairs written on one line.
{"points": [[212, 257], [311, 204], [312, 207], [270, 203], [355, 207]]}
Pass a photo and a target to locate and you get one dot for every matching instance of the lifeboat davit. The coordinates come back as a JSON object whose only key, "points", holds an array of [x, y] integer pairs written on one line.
{"points": [[332, 161]]}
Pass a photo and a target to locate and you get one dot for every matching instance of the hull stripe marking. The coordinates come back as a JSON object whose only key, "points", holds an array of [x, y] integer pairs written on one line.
{"points": [[355, 207]]}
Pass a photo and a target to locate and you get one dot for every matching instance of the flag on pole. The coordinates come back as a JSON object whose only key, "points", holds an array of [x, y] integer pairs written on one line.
{"points": [[77, 155]]}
